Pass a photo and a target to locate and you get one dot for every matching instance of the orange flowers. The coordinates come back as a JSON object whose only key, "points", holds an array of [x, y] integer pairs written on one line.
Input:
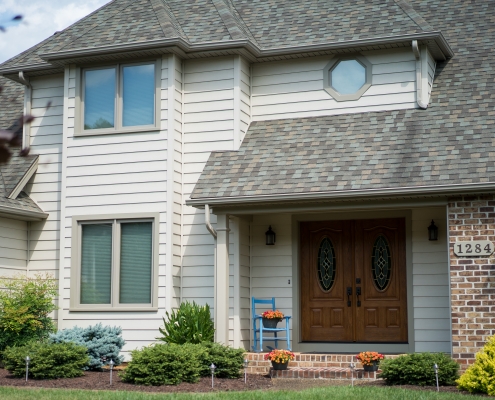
{"points": [[369, 357], [280, 356], [270, 314]]}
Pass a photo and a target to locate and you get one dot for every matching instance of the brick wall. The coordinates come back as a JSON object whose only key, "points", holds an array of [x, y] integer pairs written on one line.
{"points": [[472, 279]]}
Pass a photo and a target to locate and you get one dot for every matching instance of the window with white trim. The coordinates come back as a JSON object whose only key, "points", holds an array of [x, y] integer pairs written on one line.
{"points": [[347, 78], [118, 98], [114, 263]]}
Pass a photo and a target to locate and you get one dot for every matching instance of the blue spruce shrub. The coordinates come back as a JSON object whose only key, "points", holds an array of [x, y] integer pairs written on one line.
{"points": [[103, 343]]}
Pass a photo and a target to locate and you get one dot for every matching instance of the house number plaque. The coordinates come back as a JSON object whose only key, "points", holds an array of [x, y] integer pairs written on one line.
{"points": [[475, 248]]}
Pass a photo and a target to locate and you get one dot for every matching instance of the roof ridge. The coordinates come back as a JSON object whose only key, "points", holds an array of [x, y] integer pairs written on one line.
{"points": [[228, 19], [414, 15], [167, 20]]}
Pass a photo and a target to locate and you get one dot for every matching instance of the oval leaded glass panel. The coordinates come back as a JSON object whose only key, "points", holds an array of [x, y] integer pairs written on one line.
{"points": [[326, 265], [381, 264]]}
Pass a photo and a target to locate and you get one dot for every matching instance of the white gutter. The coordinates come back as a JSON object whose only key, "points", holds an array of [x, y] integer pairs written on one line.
{"points": [[28, 94], [30, 215], [347, 194], [421, 96]]}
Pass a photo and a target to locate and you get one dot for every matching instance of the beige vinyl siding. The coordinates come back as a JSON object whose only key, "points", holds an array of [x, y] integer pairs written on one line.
{"points": [[208, 125], [245, 97], [271, 266], [294, 89], [430, 282], [122, 173], [13, 247], [45, 185], [244, 284]]}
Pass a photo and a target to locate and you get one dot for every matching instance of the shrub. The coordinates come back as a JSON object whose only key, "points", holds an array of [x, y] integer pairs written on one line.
{"points": [[25, 305], [480, 377], [48, 360], [191, 323], [418, 369], [165, 364], [101, 342], [229, 361]]}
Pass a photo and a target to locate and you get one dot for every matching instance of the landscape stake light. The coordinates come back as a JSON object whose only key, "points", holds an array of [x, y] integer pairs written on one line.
{"points": [[111, 363], [212, 369], [245, 365], [352, 366], [436, 376], [27, 359], [432, 231]]}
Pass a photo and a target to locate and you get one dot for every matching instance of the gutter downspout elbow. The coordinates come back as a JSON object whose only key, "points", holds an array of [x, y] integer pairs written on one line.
{"points": [[23, 80], [419, 92], [208, 223]]}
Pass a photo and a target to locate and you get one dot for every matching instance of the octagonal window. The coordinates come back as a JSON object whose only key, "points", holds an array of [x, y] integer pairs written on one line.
{"points": [[347, 78]]}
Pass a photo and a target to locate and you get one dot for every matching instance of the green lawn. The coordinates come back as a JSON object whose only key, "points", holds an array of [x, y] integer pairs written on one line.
{"points": [[331, 392]]}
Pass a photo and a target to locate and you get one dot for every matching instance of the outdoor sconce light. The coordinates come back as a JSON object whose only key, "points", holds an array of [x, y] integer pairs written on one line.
{"points": [[270, 236], [245, 365], [212, 369], [432, 231], [27, 359]]}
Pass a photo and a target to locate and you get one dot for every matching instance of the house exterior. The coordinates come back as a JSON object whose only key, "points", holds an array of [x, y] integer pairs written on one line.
{"points": [[179, 131]]}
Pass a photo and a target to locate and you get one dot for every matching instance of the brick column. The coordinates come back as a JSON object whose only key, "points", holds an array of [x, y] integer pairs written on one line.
{"points": [[472, 279]]}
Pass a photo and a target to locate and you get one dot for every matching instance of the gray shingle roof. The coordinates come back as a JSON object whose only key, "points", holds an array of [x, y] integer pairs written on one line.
{"points": [[267, 24], [451, 142], [11, 106]]}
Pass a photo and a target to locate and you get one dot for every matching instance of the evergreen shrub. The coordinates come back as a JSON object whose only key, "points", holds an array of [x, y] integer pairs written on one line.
{"points": [[191, 323], [165, 364], [102, 343], [25, 305], [48, 360], [170, 364], [418, 369], [480, 377]]}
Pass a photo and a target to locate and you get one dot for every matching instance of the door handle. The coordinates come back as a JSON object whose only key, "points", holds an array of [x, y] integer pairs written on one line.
{"points": [[358, 293], [349, 294]]}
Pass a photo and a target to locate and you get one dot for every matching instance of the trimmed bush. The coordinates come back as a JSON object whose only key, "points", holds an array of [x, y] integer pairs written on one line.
{"points": [[191, 323], [229, 361], [480, 377], [48, 360], [418, 369], [25, 305], [170, 364], [101, 342], [165, 364]]}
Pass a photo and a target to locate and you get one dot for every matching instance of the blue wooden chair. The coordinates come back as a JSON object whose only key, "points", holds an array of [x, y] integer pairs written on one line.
{"points": [[259, 330]]}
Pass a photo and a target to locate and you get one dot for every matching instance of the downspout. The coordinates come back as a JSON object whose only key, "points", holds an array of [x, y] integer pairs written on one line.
{"points": [[26, 139], [214, 234], [419, 76]]}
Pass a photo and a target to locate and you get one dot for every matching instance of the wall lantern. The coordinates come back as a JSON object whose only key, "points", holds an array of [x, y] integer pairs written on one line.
{"points": [[432, 231], [270, 236]]}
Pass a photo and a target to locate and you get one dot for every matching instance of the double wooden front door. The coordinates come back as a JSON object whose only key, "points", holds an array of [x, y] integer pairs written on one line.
{"points": [[353, 281]]}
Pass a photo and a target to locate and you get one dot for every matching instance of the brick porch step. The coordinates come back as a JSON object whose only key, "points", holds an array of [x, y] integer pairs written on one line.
{"points": [[323, 373]]}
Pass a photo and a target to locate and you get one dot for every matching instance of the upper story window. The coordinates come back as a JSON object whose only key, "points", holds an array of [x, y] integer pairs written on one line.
{"points": [[120, 97], [347, 78]]}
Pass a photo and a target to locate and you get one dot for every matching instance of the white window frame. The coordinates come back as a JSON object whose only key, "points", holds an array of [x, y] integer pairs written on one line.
{"points": [[118, 103], [327, 82], [75, 281]]}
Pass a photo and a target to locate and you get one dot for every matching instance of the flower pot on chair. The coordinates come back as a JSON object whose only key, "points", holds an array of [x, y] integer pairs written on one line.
{"points": [[270, 322]]}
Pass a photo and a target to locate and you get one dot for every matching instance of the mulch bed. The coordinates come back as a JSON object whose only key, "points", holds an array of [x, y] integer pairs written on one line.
{"points": [[101, 381]]}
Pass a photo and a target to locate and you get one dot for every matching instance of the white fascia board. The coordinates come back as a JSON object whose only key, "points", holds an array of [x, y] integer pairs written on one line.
{"points": [[23, 215], [25, 179], [257, 52], [440, 190]]}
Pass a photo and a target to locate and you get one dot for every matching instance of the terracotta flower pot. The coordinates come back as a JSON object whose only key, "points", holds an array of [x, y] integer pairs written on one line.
{"points": [[270, 322], [280, 366]]}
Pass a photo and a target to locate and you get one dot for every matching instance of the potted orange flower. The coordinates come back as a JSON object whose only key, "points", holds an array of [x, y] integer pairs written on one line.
{"points": [[280, 358], [271, 318], [370, 360]]}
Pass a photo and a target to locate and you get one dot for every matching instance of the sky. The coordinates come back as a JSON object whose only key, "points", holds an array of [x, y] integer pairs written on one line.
{"points": [[41, 19]]}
